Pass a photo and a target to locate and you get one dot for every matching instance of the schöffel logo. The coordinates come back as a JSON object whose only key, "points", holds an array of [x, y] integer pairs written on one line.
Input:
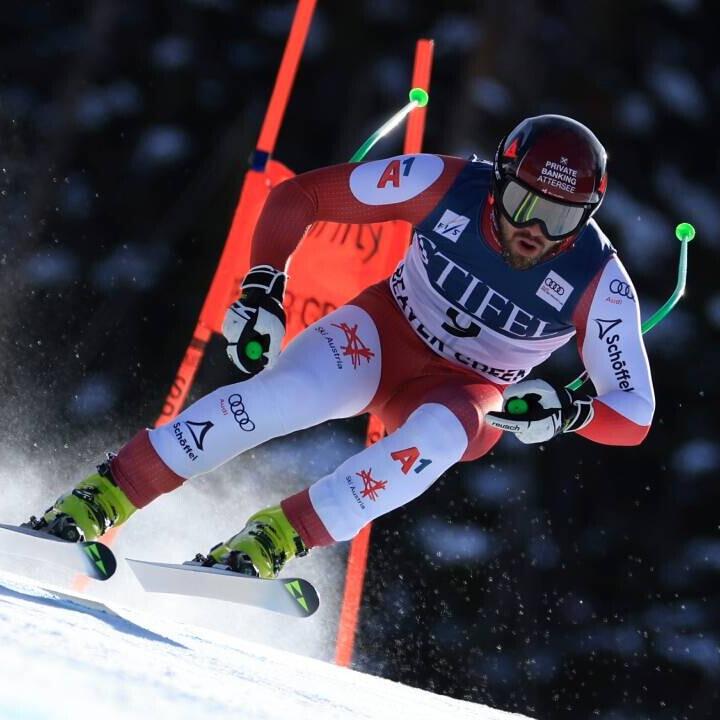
{"points": [[554, 290], [198, 430], [239, 413], [605, 326], [619, 287], [615, 352], [451, 225]]}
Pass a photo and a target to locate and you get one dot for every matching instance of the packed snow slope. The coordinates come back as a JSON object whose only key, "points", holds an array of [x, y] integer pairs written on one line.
{"points": [[62, 658]]}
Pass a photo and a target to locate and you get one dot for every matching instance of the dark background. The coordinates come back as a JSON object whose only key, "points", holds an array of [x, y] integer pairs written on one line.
{"points": [[564, 581]]}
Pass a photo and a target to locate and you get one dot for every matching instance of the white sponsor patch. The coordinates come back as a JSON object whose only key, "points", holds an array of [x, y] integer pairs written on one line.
{"points": [[395, 179], [451, 225], [554, 290]]}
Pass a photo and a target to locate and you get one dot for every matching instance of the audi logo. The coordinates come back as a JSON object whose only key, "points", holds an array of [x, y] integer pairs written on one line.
{"points": [[621, 288], [555, 286], [237, 407]]}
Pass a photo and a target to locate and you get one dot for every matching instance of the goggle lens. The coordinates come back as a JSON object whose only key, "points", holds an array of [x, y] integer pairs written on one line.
{"points": [[524, 207]]}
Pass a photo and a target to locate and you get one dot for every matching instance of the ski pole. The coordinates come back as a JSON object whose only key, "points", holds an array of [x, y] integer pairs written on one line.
{"points": [[418, 97], [684, 232]]}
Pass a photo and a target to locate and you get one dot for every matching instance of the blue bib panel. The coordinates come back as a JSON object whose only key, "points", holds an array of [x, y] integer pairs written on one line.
{"points": [[469, 304]]}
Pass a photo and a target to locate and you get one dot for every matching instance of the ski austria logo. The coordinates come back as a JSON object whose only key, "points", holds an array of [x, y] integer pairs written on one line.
{"points": [[554, 290], [370, 490], [396, 179], [355, 349], [371, 486], [451, 225]]}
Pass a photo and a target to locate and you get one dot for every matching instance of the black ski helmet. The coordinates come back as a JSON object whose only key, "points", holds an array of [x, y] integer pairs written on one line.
{"points": [[551, 170]]}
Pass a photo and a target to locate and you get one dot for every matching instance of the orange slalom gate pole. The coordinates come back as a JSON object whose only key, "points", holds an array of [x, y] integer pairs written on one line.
{"points": [[360, 546], [415, 129], [234, 260], [261, 176]]}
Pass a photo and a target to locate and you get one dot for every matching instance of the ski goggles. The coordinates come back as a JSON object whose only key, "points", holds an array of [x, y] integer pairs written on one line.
{"points": [[523, 207]]}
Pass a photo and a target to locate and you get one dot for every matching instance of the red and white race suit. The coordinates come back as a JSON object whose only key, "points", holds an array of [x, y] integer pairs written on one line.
{"points": [[429, 350]]}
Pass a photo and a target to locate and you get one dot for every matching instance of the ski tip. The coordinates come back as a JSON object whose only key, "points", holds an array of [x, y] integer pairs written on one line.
{"points": [[304, 594], [101, 562]]}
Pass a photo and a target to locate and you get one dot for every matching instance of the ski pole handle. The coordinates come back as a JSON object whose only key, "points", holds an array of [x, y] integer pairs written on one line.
{"points": [[517, 406], [253, 350]]}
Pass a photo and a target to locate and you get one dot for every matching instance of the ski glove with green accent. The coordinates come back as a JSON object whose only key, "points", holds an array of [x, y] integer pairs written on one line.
{"points": [[254, 326], [551, 410]]}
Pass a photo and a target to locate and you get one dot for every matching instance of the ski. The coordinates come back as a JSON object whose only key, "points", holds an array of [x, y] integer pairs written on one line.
{"points": [[90, 558], [289, 596]]}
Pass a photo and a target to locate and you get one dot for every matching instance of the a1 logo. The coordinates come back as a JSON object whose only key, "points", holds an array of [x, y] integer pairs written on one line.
{"points": [[408, 458], [394, 170]]}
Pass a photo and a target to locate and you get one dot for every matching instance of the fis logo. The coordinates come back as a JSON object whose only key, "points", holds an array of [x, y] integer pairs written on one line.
{"points": [[554, 290], [451, 225]]}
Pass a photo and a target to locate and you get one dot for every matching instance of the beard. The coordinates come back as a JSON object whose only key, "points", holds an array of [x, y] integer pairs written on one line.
{"points": [[516, 260]]}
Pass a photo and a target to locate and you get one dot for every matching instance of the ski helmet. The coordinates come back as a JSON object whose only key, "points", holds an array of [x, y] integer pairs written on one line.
{"points": [[550, 170]]}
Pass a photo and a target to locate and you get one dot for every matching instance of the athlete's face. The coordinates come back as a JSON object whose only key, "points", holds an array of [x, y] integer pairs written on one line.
{"points": [[523, 247]]}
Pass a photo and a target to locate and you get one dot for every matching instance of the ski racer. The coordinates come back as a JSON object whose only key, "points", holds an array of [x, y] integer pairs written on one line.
{"points": [[505, 266]]}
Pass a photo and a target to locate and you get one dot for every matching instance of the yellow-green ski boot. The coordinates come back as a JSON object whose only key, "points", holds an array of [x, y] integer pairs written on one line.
{"points": [[261, 548], [89, 510]]}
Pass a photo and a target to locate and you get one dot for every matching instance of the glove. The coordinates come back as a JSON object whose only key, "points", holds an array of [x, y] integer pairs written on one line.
{"points": [[551, 410], [254, 326]]}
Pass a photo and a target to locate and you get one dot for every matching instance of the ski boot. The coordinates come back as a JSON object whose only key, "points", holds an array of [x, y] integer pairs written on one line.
{"points": [[260, 549], [89, 510]]}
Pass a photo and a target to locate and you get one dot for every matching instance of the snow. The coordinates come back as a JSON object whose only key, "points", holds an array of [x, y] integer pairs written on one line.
{"points": [[64, 659]]}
